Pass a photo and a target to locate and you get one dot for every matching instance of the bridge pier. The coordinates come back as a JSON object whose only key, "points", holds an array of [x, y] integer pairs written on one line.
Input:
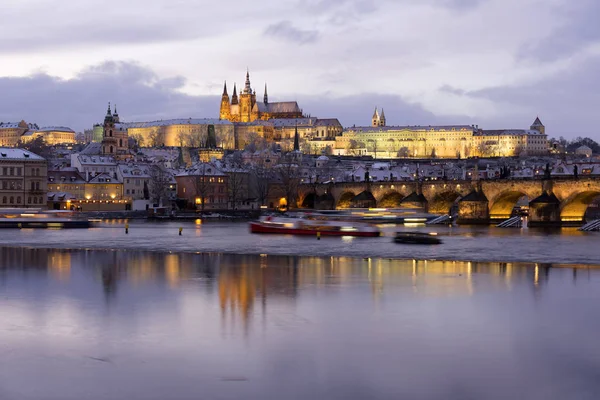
{"points": [[473, 209], [415, 200], [544, 210]]}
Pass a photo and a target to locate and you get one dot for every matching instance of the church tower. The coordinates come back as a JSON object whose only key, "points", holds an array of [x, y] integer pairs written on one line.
{"points": [[225, 112], [109, 140], [382, 118], [376, 119], [538, 126]]}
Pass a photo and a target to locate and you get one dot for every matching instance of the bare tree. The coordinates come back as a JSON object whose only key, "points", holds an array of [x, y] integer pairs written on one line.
{"points": [[404, 152], [182, 139], [261, 185], [237, 187], [160, 180], [200, 183], [351, 147], [289, 176], [154, 138]]}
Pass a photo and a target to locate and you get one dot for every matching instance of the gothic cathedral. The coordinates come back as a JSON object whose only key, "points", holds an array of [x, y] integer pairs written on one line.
{"points": [[247, 109]]}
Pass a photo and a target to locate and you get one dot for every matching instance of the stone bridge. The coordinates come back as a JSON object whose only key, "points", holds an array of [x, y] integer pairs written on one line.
{"points": [[552, 201]]}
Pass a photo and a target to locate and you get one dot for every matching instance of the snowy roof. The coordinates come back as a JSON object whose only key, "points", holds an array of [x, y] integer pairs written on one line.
{"points": [[292, 122], [202, 169], [439, 128], [168, 122], [537, 122], [55, 129], [133, 171], [68, 175], [93, 148], [507, 132], [22, 124], [96, 160], [328, 122], [104, 178], [7, 153]]}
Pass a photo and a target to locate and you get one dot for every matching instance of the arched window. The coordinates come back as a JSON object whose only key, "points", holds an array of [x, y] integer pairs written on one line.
{"points": [[110, 133], [4, 200], [18, 199], [34, 200], [12, 200], [37, 172]]}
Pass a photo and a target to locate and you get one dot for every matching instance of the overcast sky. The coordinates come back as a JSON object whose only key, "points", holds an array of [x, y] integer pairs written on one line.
{"points": [[496, 63]]}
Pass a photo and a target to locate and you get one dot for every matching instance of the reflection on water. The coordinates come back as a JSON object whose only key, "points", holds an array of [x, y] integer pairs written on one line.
{"points": [[123, 324]]}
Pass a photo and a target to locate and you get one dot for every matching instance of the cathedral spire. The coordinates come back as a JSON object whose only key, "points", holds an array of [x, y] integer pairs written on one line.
{"points": [[247, 88], [225, 89], [266, 100], [234, 96], [108, 112]]}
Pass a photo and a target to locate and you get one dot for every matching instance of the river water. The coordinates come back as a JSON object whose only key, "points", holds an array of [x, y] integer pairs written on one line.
{"points": [[136, 324], [483, 243]]}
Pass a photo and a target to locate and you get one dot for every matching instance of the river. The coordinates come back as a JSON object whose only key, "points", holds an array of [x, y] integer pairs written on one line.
{"points": [[366, 319], [483, 243]]}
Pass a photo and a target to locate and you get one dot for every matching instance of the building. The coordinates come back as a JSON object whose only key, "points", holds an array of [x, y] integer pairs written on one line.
{"points": [[191, 132], [451, 141], [115, 141], [247, 109], [97, 133], [584, 151], [136, 180], [104, 188], [203, 187], [11, 132], [52, 135], [66, 187], [23, 177], [92, 165], [282, 131]]}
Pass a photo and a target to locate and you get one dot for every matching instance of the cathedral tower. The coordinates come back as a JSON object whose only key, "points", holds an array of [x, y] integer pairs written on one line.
{"points": [[375, 120], [247, 101], [225, 112]]}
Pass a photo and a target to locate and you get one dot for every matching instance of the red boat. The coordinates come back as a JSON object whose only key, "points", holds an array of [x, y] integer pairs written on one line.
{"points": [[302, 226]]}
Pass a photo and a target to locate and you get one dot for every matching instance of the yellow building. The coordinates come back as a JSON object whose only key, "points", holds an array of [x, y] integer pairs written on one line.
{"points": [[52, 135], [181, 132], [103, 187], [11, 132], [452, 141]]}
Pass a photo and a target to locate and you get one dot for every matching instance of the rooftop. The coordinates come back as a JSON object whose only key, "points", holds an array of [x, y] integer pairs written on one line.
{"points": [[168, 122], [9, 153]]}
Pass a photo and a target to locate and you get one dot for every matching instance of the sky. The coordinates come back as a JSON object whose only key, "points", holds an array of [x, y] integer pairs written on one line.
{"points": [[494, 63]]}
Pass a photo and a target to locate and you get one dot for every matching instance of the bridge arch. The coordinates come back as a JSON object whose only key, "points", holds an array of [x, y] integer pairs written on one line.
{"points": [[502, 206], [345, 200], [442, 202], [573, 208], [309, 200], [390, 199]]}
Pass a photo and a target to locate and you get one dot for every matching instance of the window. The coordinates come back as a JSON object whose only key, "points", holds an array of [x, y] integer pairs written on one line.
{"points": [[37, 186], [127, 191], [12, 200], [29, 200], [35, 200], [4, 200], [18, 199], [32, 185]]}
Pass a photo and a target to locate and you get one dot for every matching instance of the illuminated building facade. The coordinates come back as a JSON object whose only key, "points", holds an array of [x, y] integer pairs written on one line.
{"points": [[246, 108], [453, 141], [23, 179], [11, 132], [52, 135], [203, 186], [115, 142]]}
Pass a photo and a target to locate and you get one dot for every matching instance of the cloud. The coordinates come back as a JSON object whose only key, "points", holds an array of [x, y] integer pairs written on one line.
{"points": [[140, 94], [578, 28], [285, 30]]}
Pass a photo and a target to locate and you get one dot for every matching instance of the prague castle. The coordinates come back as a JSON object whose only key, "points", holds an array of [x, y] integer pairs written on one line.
{"points": [[452, 141], [245, 108]]}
